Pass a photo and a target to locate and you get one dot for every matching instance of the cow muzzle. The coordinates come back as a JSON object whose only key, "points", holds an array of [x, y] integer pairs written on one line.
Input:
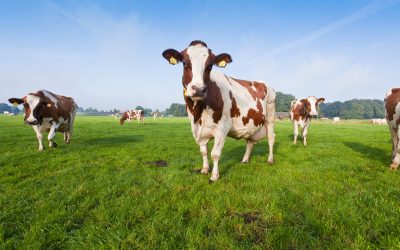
{"points": [[32, 123], [196, 93]]}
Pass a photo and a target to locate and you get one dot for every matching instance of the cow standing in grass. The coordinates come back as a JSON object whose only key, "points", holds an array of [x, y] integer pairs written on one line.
{"points": [[45, 111], [301, 112], [132, 115], [392, 109], [220, 106]]}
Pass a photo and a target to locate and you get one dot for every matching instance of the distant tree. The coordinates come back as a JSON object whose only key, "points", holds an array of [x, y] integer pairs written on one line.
{"points": [[80, 110], [139, 108], [6, 107], [282, 102], [176, 109], [354, 109]]}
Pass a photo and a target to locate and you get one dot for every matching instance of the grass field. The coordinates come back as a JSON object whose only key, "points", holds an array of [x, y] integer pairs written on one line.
{"points": [[103, 190]]}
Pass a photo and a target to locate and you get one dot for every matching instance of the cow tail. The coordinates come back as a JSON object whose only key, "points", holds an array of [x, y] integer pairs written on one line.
{"points": [[271, 96]]}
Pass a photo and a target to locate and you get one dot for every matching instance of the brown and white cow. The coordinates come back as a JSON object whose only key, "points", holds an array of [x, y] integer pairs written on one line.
{"points": [[392, 108], [301, 112], [220, 106], [48, 112], [132, 115]]}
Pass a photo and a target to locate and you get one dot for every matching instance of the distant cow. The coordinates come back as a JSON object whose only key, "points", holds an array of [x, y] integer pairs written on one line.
{"points": [[301, 112], [132, 115], [378, 121], [392, 109], [6, 113], [220, 106], [45, 111], [155, 116], [336, 120]]}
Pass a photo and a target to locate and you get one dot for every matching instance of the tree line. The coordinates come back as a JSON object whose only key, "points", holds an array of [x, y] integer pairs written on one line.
{"points": [[351, 109]]}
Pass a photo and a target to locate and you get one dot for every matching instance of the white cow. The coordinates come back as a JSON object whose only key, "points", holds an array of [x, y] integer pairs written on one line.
{"points": [[336, 120]]}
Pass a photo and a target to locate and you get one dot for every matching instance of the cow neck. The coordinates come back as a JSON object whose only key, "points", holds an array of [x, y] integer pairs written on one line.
{"points": [[213, 99]]}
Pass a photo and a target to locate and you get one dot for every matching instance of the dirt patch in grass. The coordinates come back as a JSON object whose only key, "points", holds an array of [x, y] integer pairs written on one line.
{"points": [[158, 163]]}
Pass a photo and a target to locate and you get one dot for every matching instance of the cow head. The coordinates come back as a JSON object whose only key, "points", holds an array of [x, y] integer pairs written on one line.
{"points": [[34, 107], [124, 117], [311, 104], [197, 61]]}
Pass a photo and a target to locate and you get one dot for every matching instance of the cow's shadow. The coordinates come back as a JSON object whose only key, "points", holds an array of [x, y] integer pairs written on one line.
{"points": [[373, 153], [113, 140]]}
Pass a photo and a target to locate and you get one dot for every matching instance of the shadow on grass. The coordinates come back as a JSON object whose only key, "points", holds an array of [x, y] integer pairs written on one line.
{"points": [[113, 140], [372, 153]]}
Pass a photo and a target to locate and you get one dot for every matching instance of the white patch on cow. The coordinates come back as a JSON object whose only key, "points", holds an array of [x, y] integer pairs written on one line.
{"points": [[51, 97], [396, 116], [313, 101], [32, 101], [198, 55]]}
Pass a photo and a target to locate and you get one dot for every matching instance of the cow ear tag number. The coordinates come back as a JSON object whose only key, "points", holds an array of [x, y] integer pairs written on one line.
{"points": [[222, 64], [172, 61]]}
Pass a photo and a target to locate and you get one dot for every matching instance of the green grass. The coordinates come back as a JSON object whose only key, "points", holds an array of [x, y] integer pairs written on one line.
{"points": [[101, 192]]}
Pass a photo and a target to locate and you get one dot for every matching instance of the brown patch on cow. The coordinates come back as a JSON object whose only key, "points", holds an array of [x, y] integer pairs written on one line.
{"points": [[256, 89], [124, 117], [391, 102], [235, 112], [301, 110], [158, 163], [214, 100], [257, 116], [195, 109]]}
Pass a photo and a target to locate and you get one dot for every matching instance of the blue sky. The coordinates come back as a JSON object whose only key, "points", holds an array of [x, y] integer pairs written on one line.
{"points": [[107, 54]]}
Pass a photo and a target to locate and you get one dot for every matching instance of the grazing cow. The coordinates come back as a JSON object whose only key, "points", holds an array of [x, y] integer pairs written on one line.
{"points": [[6, 113], [392, 109], [132, 115], [336, 120], [379, 121], [155, 115], [220, 106], [45, 111], [301, 112]]}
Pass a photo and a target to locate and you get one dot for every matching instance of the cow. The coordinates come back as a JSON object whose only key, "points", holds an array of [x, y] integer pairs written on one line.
{"points": [[378, 121], [6, 113], [219, 106], [336, 120], [48, 112], [392, 110], [301, 112], [132, 115], [155, 115]]}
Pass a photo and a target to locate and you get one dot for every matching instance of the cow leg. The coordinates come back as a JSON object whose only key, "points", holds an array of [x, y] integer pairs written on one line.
{"points": [[219, 141], [249, 148], [52, 135], [395, 139], [295, 132], [305, 130], [396, 159], [271, 142], [203, 151], [39, 136]]}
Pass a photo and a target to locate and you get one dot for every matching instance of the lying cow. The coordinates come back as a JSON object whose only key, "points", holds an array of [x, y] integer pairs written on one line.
{"points": [[220, 106], [392, 109], [132, 115], [301, 112], [45, 111]]}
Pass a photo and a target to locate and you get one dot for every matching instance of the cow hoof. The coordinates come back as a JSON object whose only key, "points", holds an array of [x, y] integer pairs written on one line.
{"points": [[270, 162], [394, 166], [214, 178], [204, 171], [245, 162], [41, 149], [53, 145], [67, 142]]}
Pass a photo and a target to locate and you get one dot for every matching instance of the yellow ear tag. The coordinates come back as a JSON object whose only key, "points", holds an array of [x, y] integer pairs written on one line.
{"points": [[48, 105], [222, 64], [15, 104], [172, 60], [184, 92]]}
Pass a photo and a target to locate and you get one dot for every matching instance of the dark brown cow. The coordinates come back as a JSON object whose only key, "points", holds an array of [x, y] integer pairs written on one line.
{"points": [[392, 109], [301, 112], [49, 112], [220, 106]]}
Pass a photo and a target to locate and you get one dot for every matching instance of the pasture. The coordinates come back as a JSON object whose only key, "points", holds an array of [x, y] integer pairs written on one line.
{"points": [[107, 190]]}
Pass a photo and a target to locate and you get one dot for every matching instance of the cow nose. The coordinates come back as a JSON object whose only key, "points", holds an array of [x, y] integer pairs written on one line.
{"points": [[198, 91]]}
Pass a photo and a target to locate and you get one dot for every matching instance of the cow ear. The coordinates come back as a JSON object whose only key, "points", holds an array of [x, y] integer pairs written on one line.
{"points": [[321, 100], [304, 101], [222, 60], [172, 56], [15, 101]]}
